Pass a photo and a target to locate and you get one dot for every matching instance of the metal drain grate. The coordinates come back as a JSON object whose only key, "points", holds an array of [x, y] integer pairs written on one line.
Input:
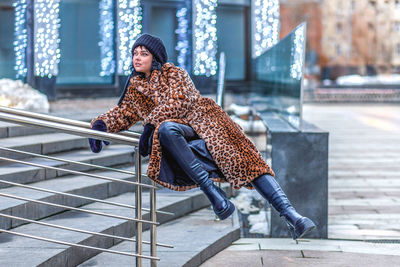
{"points": [[388, 241]]}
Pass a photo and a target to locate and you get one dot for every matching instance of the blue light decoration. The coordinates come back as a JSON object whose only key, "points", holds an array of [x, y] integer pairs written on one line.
{"points": [[20, 38], [129, 15], [205, 37], [266, 25], [182, 45], [297, 53], [46, 37], [106, 23]]}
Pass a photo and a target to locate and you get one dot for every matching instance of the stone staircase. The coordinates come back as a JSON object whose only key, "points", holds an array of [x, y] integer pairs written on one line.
{"points": [[21, 251]]}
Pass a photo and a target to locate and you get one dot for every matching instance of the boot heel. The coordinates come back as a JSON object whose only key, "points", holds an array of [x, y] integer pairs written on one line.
{"points": [[303, 226], [227, 212]]}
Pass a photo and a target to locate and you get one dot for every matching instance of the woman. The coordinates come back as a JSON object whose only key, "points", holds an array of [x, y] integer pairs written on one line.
{"points": [[191, 140]]}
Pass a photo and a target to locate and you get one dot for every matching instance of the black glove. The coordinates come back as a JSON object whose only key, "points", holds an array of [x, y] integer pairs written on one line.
{"points": [[96, 145], [146, 140]]}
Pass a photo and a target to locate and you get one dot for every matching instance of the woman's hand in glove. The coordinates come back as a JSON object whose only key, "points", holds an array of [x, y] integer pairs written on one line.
{"points": [[96, 145], [146, 140]]}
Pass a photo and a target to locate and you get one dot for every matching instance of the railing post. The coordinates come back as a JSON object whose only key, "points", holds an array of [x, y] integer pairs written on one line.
{"points": [[138, 212], [221, 93], [153, 229]]}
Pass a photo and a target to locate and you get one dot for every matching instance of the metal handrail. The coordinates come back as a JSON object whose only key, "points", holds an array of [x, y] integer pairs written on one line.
{"points": [[73, 195], [79, 245], [221, 81], [83, 129], [59, 120], [80, 230], [79, 196], [76, 130], [221, 92], [70, 161], [78, 172], [80, 210]]}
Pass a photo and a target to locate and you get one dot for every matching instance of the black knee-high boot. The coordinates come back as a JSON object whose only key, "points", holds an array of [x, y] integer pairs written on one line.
{"points": [[269, 188], [172, 138]]}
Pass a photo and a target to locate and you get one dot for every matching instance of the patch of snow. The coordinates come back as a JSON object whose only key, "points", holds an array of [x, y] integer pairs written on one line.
{"points": [[258, 222], [16, 94], [254, 126], [365, 80]]}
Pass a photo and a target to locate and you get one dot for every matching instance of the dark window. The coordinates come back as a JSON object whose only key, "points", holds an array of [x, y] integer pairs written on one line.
{"points": [[7, 55], [80, 61], [339, 28], [163, 24], [231, 32]]}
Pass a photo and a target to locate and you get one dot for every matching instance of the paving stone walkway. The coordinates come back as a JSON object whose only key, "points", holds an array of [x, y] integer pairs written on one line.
{"points": [[284, 252], [364, 168]]}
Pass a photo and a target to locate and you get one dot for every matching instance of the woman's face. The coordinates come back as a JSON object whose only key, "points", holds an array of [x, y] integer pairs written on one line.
{"points": [[142, 60]]}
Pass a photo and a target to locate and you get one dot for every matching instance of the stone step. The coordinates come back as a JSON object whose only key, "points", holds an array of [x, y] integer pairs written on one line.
{"points": [[18, 251], [22, 173], [74, 184], [8, 129], [196, 238], [42, 144]]}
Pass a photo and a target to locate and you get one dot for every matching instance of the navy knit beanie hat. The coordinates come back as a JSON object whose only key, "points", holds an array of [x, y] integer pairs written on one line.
{"points": [[156, 48], [154, 45]]}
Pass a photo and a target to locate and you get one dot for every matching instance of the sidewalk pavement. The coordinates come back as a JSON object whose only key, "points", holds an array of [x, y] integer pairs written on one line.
{"points": [[279, 252]]}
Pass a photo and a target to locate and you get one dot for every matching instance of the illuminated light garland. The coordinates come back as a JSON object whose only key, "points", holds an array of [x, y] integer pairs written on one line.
{"points": [[129, 14], [46, 37], [182, 45], [205, 37], [266, 24], [106, 24], [21, 38], [296, 68]]}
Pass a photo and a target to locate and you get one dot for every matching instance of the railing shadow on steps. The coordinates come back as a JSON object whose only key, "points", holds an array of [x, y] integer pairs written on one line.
{"points": [[83, 129]]}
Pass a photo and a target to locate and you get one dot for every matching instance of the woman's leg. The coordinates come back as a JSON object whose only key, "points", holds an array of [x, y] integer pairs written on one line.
{"points": [[269, 188], [173, 137]]}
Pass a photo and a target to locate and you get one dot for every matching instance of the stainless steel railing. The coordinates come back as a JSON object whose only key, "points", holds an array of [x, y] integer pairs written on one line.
{"points": [[221, 92], [83, 129]]}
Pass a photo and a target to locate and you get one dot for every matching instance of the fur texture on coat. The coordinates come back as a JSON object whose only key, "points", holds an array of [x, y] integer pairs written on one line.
{"points": [[170, 95]]}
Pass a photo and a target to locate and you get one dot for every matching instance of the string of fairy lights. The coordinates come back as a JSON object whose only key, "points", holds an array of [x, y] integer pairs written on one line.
{"points": [[106, 44], [265, 16], [129, 28], [266, 24], [204, 37], [182, 45], [297, 53], [20, 38], [46, 38]]}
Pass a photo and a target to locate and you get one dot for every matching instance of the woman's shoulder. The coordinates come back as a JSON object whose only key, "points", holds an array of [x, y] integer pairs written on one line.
{"points": [[170, 68]]}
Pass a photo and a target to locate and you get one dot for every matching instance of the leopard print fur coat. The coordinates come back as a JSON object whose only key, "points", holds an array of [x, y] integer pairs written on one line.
{"points": [[170, 95]]}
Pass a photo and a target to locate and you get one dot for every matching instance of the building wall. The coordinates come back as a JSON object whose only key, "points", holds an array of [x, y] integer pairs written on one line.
{"points": [[361, 33], [292, 13]]}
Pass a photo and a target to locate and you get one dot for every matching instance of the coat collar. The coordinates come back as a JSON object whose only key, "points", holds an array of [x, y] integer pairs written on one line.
{"points": [[151, 85]]}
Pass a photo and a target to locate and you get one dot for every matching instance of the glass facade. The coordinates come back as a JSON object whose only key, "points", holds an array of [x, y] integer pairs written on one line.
{"points": [[233, 43], [357, 44], [81, 56], [7, 54], [81, 32], [278, 78], [163, 25]]}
